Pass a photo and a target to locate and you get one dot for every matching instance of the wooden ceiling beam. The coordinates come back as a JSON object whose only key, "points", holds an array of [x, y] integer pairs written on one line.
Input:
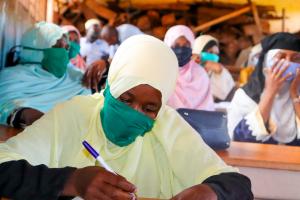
{"points": [[87, 12], [101, 10], [222, 19], [141, 6]]}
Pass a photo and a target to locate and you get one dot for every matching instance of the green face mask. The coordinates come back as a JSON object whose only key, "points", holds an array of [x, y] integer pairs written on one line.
{"points": [[55, 61], [74, 49], [121, 123]]}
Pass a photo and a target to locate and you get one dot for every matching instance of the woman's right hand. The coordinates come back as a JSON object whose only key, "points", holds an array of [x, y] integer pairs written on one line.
{"points": [[273, 82], [95, 183], [93, 74], [274, 79]]}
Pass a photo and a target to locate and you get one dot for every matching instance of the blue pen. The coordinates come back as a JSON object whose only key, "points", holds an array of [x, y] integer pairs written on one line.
{"points": [[97, 156]]}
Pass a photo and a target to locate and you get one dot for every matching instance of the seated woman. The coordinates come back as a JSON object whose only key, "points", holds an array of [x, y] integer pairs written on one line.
{"points": [[42, 77], [74, 47], [206, 53], [267, 108], [143, 140], [192, 87]]}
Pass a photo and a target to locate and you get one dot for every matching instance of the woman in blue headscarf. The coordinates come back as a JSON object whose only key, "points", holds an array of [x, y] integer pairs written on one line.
{"points": [[42, 78]]}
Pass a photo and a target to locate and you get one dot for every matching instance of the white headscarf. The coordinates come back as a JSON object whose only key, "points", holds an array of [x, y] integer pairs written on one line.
{"points": [[201, 41], [91, 22], [41, 36], [131, 67], [127, 30]]}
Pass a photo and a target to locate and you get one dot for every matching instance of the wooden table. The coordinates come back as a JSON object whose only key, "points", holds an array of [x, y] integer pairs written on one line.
{"points": [[274, 170], [262, 156]]}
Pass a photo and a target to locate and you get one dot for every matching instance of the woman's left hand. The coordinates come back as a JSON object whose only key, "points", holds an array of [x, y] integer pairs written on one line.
{"points": [[93, 74], [295, 85], [197, 192], [213, 66]]}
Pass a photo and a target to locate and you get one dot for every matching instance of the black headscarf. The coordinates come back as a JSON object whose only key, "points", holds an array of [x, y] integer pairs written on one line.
{"points": [[286, 41]]}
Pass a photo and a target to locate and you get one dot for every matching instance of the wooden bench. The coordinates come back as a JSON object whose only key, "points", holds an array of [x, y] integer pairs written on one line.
{"points": [[274, 170]]}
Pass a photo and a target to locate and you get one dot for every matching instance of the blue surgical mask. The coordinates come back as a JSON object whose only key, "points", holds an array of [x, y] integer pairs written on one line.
{"points": [[183, 55], [292, 68]]}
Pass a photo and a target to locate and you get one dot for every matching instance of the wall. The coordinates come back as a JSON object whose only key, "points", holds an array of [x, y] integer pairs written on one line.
{"points": [[15, 17]]}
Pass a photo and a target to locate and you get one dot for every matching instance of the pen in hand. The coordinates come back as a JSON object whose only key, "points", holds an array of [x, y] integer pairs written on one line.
{"points": [[98, 157]]}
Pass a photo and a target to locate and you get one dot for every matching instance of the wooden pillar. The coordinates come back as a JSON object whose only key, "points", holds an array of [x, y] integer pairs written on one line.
{"points": [[256, 18]]}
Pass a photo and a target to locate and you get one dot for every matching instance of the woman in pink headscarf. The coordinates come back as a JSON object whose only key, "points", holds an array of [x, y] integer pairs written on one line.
{"points": [[74, 37], [193, 86]]}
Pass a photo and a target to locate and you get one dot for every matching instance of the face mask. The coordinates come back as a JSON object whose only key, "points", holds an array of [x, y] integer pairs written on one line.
{"points": [[74, 49], [209, 57], [183, 55], [292, 68], [55, 61], [121, 123]]}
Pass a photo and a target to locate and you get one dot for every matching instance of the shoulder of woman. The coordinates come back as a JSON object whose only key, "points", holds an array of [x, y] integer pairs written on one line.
{"points": [[81, 103]]}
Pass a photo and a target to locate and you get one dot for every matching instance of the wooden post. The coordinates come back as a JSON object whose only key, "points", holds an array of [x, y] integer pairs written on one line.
{"points": [[222, 19], [256, 18], [283, 20]]}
